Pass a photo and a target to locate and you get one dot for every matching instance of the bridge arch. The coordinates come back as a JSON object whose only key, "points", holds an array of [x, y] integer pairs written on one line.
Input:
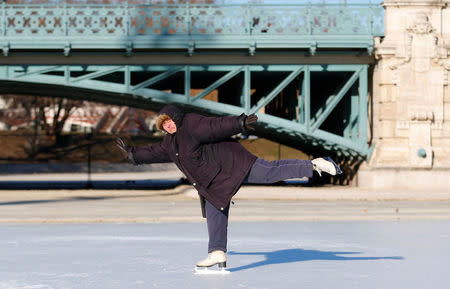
{"points": [[290, 100]]}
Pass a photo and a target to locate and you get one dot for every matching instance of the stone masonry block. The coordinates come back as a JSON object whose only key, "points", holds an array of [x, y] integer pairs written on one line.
{"points": [[387, 93], [446, 111], [442, 155], [387, 111], [446, 26], [387, 129], [445, 129], [390, 156]]}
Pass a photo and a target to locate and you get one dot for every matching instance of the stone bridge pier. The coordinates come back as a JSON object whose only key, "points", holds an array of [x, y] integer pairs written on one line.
{"points": [[410, 119]]}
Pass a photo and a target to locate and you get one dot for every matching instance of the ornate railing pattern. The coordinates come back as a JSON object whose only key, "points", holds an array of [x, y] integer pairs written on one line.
{"points": [[189, 19]]}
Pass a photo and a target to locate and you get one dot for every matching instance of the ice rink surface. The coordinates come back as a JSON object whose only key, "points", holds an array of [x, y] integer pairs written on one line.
{"points": [[339, 254]]}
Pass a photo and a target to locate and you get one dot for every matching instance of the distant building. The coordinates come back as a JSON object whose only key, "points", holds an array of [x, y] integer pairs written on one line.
{"points": [[86, 119], [126, 120]]}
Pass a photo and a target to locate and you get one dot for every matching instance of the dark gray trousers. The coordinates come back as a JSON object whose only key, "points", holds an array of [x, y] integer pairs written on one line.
{"points": [[262, 172]]}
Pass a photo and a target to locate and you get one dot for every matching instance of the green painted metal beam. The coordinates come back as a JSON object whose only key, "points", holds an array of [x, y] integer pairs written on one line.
{"points": [[351, 123], [307, 104], [67, 74], [127, 79], [269, 97], [363, 103], [319, 136], [187, 83], [334, 100], [246, 102], [217, 83], [154, 94], [301, 100], [157, 78], [96, 74], [33, 71]]}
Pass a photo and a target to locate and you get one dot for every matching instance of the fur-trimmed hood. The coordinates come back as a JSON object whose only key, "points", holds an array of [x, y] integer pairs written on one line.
{"points": [[172, 112]]}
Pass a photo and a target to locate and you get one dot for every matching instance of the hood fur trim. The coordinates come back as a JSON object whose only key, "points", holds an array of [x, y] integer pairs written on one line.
{"points": [[160, 120]]}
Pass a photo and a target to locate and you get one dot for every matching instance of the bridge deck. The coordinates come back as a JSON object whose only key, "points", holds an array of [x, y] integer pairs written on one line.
{"points": [[189, 27]]}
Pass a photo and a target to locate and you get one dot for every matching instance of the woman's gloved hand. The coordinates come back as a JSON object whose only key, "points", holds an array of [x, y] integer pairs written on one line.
{"points": [[246, 122], [249, 121], [123, 147]]}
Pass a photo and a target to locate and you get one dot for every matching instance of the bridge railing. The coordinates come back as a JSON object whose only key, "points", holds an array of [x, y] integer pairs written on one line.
{"points": [[332, 24]]}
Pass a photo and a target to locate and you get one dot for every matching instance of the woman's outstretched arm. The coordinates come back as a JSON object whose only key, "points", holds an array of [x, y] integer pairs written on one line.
{"points": [[153, 153], [213, 129]]}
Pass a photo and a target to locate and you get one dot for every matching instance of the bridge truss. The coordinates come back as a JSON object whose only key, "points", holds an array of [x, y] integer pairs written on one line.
{"points": [[291, 100]]}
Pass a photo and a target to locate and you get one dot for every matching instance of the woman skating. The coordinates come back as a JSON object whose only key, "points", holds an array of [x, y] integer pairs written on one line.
{"points": [[217, 165]]}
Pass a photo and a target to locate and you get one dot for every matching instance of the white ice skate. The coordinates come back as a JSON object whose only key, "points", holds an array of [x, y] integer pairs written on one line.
{"points": [[214, 258], [326, 165]]}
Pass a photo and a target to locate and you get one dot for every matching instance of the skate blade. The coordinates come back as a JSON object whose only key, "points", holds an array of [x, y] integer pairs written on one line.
{"points": [[338, 170], [208, 271]]}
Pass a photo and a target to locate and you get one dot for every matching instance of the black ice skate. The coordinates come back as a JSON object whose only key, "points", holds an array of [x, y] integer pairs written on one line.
{"points": [[214, 258]]}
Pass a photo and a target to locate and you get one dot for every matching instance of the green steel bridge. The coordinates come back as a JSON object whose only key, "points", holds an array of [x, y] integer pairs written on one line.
{"points": [[303, 68]]}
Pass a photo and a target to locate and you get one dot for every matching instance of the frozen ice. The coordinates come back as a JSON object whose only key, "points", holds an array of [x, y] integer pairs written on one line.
{"points": [[351, 254]]}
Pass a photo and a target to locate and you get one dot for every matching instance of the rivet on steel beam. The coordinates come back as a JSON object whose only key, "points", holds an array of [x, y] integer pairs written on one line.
{"points": [[191, 46], [313, 48], [67, 48], [129, 48], [5, 49], [252, 48]]}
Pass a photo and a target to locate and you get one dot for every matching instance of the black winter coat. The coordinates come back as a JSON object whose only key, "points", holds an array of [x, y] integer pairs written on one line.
{"points": [[202, 149]]}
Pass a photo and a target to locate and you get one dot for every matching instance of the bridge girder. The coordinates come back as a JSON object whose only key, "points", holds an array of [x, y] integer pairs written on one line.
{"points": [[130, 28], [303, 121]]}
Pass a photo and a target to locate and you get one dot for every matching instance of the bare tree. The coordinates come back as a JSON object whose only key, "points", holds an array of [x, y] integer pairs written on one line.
{"points": [[25, 108], [43, 115], [54, 112]]}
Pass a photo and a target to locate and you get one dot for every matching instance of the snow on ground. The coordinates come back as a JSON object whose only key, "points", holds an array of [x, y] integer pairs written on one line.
{"points": [[351, 254]]}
